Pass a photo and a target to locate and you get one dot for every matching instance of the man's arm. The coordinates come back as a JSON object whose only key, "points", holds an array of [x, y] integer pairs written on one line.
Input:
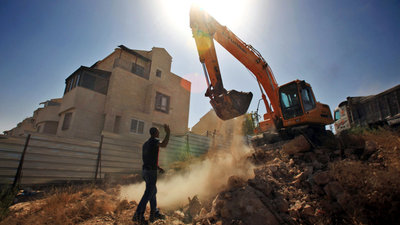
{"points": [[164, 143]]}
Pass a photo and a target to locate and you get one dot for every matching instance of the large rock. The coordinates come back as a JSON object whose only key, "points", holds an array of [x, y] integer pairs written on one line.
{"points": [[370, 148], [245, 206], [308, 210], [297, 145]]}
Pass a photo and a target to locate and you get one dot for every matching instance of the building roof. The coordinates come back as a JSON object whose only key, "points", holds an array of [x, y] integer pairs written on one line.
{"points": [[134, 52], [101, 73]]}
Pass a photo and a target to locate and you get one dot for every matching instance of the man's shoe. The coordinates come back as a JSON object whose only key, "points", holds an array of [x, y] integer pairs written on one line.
{"points": [[156, 216], [139, 219]]}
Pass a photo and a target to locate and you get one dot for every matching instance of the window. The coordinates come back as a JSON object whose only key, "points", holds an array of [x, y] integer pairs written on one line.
{"points": [[307, 98], [88, 81], [67, 121], [93, 79], [94, 82], [337, 115], [158, 73], [290, 101], [162, 102], [78, 77], [137, 126], [68, 86], [71, 83], [140, 70]]}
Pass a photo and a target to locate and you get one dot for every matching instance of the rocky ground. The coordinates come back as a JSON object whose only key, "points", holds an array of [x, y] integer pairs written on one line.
{"points": [[351, 179]]}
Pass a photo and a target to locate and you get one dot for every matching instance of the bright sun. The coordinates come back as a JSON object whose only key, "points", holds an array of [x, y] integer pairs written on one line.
{"points": [[227, 12], [230, 13]]}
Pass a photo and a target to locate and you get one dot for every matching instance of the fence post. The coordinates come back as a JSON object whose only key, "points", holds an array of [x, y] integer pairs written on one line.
{"points": [[99, 158], [17, 178], [214, 144], [187, 143]]}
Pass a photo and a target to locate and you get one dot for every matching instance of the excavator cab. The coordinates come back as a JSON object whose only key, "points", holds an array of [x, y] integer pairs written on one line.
{"points": [[231, 104], [296, 99]]}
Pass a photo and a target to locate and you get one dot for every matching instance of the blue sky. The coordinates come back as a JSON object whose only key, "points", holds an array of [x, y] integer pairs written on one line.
{"points": [[342, 48]]}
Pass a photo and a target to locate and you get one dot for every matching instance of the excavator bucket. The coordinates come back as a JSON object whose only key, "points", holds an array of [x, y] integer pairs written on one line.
{"points": [[231, 104]]}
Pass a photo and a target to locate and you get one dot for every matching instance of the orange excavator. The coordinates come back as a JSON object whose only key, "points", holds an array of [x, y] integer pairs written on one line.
{"points": [[291, 105]]}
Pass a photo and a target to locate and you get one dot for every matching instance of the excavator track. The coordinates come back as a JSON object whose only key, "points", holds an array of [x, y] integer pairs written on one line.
{"points": [[315, 135]]}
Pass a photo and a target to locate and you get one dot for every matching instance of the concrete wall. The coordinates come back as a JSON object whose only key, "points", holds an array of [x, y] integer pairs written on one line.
{"points": [[49, 127], [87, 108], [48, 113], [46, 119], [211, 125]]}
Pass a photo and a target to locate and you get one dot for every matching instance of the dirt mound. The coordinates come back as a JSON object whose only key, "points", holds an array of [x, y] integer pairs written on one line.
{"points": [[355, 183], [86, 206]]}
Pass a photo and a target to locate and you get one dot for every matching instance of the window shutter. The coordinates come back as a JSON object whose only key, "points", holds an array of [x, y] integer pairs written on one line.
{"points": [[134, 126], [141, 127]]}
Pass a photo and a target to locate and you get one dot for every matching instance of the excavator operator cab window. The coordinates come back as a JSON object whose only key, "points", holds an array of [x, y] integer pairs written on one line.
{"points": [[307, 98], [290, 101]]}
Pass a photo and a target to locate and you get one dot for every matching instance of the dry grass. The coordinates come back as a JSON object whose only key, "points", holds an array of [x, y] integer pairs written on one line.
{"points": [[7, 195], [389, 146], [66, 206], [374, 185]]}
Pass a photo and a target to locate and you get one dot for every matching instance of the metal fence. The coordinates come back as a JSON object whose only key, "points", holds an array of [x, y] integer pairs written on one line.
{"points": [[53, 159]]}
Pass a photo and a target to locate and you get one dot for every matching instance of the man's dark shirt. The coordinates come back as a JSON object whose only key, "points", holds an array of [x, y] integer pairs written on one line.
{"points": [[150, 154]]}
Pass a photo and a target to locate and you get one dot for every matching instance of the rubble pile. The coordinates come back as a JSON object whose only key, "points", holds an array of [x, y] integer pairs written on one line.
{"points": [[352, 182]]}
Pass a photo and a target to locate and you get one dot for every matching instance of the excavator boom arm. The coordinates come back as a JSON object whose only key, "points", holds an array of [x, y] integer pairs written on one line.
{"points": [[206, 29]]}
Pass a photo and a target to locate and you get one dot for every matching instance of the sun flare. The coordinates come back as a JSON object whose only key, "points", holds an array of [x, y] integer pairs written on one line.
{"points": [[227, 12]]}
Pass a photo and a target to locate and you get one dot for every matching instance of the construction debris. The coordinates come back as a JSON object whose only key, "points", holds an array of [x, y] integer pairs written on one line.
{"points": [[350, 184], [355, 182]]}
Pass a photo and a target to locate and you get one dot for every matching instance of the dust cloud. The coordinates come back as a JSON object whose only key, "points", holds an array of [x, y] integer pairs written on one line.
{"points": [[203, 178]]}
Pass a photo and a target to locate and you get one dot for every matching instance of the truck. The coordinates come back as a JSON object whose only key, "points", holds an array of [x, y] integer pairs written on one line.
{"points": [[382, 109]]}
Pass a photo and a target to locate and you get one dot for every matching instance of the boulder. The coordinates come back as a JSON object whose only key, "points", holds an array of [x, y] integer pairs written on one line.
{"points": [[245, 205], [308, 210], [297, 145], [370, 148]]}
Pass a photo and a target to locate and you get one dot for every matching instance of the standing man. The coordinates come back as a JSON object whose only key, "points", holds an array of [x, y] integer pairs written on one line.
{"points": [[149, 173]]}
